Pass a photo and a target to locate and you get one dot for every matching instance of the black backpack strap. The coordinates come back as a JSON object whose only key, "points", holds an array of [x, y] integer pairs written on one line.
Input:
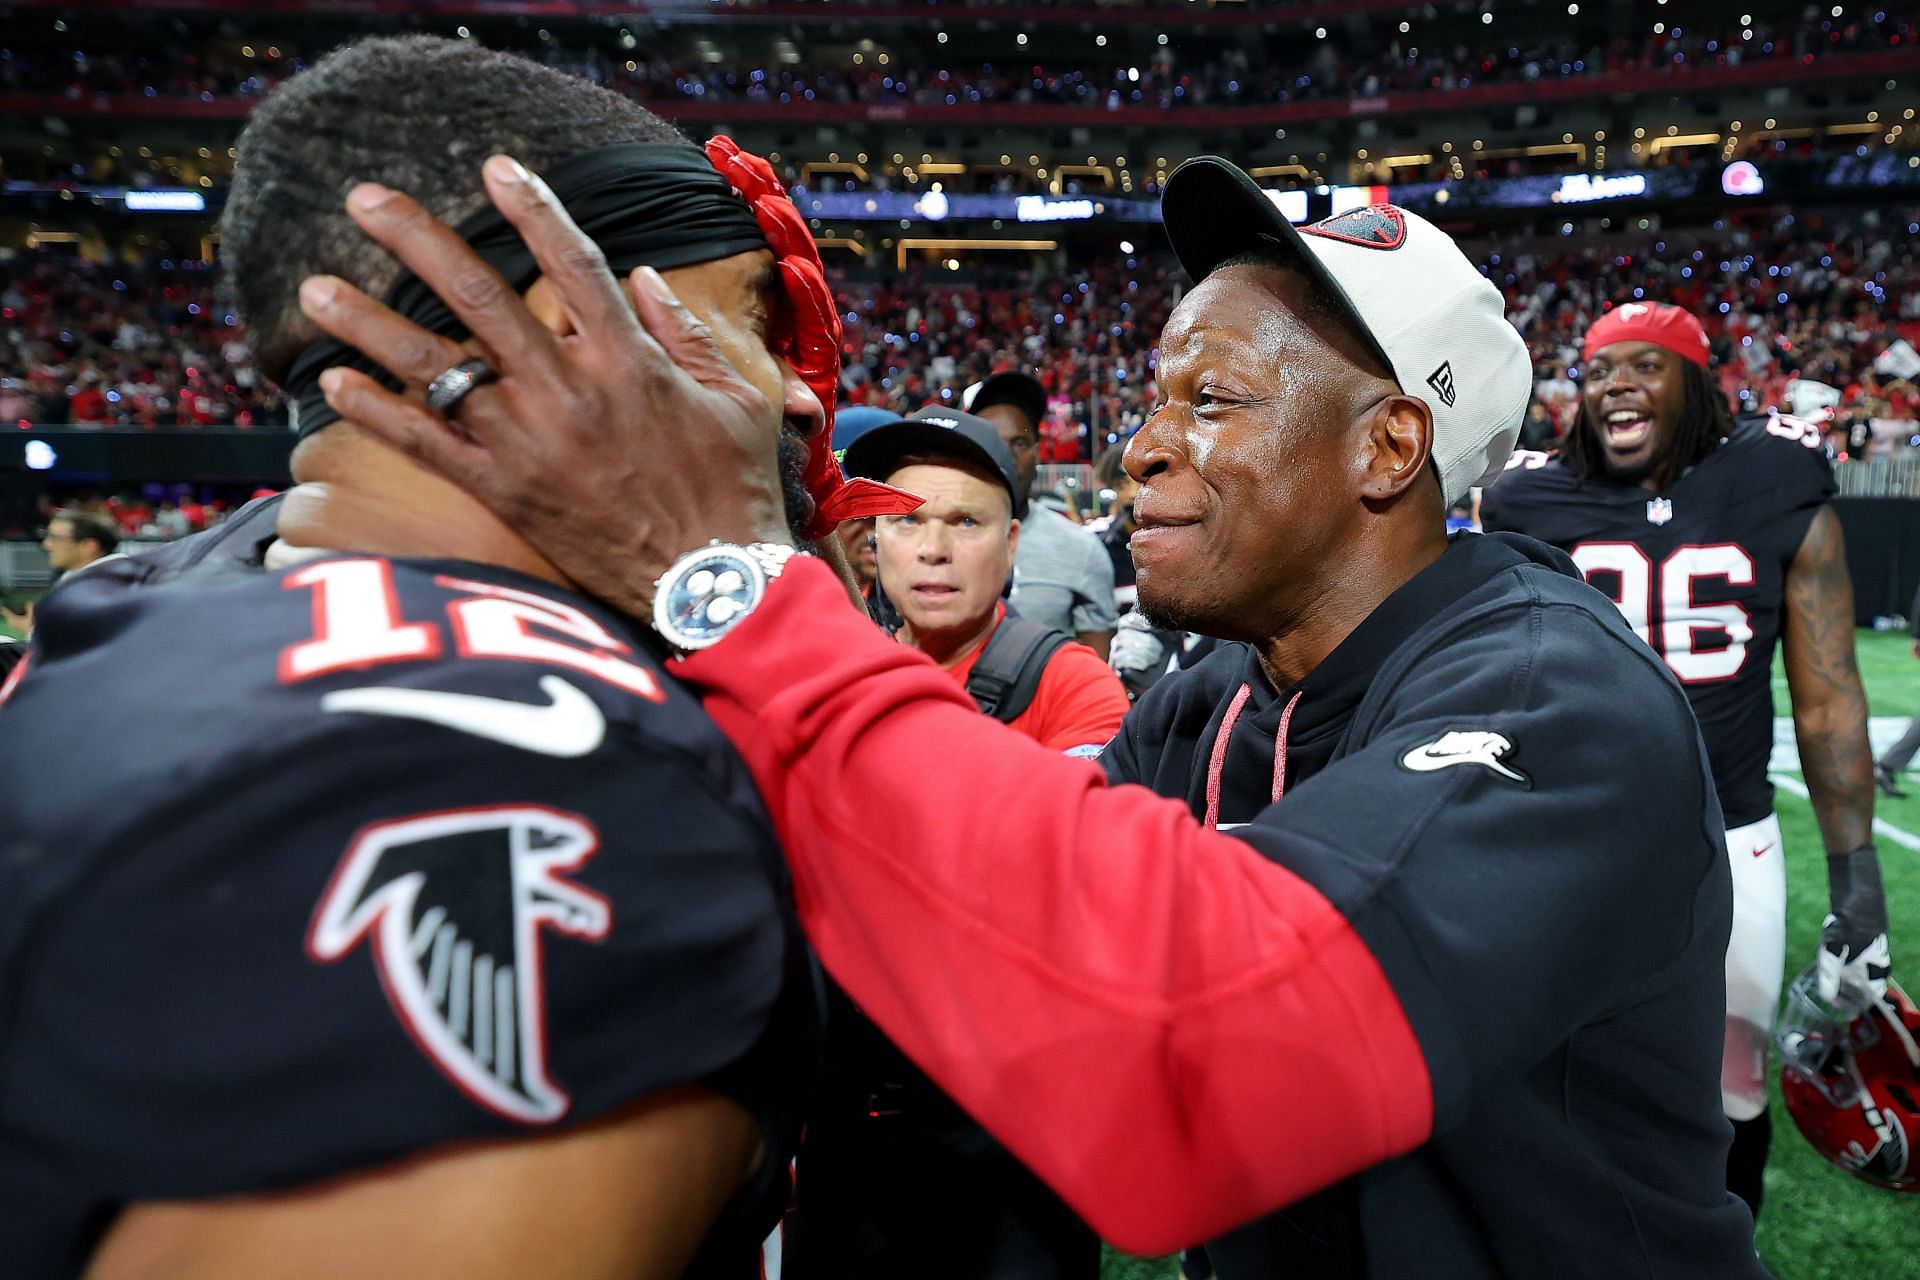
{"points": [[1007, 673]]}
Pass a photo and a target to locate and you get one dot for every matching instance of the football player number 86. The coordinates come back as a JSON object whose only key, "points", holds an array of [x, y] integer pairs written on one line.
{"points": [[1701, 642]]}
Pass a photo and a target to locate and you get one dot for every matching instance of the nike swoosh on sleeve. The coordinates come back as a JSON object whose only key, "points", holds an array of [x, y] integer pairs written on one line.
{"points": [[569, 725]]}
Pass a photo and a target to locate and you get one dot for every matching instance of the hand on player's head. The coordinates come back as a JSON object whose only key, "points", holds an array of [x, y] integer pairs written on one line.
{"points": [[612, 446]]}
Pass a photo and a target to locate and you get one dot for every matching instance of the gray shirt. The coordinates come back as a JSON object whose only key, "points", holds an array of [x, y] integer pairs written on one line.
{"points": [[1062, 576]]}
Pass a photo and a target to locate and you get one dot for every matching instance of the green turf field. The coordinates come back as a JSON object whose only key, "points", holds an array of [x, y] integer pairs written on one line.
{"points": [[1818, 1223]]}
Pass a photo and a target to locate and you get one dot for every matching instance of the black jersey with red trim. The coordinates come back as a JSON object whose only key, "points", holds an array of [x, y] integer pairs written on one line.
{"points": [[1699, 569], [307, 871]]}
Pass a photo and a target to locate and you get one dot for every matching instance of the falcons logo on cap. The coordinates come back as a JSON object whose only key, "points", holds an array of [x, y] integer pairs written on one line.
{"points": [[454, 903], [1378, 226]]}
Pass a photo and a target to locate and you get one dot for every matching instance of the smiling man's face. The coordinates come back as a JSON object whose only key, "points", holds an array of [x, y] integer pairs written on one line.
{"points": [[1634, 394], [1247, 464]]}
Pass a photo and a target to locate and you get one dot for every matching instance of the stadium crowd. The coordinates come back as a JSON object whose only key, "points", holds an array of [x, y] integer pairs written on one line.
{"points": [[140, 343], [1226, 75], [150, 344]]}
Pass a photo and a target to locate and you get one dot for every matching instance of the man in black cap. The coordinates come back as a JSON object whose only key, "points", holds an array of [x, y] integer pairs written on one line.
{"points": [[895, 1179], [1413, 964], [458, 926], [944, 566], [1062, 577]]}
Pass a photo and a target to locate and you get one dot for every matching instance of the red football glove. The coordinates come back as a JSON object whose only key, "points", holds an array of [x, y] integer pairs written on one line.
{"points": [[806, 336]]}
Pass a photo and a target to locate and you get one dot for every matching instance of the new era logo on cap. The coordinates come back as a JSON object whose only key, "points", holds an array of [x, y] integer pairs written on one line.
{"points": [[1441, 380]]}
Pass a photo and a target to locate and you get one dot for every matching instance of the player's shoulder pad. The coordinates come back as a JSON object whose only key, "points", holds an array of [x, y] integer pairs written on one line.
{"points": [[235, 545], [1530, 476], [1777, 451]]}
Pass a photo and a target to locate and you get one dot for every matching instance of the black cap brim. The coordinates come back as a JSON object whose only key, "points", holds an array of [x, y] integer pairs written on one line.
{"points": [[877, 453], [1213, 212]]}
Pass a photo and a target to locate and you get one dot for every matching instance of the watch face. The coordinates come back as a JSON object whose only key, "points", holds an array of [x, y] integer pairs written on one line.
{"points": [[706, 596]]}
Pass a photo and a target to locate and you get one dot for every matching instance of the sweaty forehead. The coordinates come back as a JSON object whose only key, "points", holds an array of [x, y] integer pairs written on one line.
{"points": [[1259, 311]]}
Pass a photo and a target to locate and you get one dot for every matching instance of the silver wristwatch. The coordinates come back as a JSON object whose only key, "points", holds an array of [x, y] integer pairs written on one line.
{"points": [[706, 592]]}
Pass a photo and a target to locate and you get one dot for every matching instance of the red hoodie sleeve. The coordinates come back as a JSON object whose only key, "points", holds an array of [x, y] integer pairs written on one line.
{"points": [[1175, 1033]]}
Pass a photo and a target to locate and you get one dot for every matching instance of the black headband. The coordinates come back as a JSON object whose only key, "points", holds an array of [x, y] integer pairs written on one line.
{"points": [[653, 204]]}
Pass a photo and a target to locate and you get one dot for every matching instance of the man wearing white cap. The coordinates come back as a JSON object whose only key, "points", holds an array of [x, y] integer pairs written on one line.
{"points": [[1413, 964]]}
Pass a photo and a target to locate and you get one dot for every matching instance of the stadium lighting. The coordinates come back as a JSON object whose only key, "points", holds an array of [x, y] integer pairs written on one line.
{"points": [[40, 456], [164, 201], [1126, 246]]}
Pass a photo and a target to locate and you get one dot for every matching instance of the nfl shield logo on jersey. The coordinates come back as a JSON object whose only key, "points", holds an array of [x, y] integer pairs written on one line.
{"points": [[1659, 510]]}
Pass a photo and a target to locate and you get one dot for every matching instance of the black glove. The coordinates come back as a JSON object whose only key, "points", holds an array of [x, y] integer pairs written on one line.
{"points": [[1854, 959]]}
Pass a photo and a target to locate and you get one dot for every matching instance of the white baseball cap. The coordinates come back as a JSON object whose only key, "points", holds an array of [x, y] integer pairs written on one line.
{"points": [[1426, 311]]}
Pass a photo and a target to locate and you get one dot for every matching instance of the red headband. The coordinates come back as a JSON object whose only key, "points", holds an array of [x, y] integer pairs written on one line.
{"points": [[807, 336], [1657, 323]]}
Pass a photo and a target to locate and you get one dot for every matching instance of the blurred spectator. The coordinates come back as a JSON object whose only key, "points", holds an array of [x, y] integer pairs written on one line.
{"points": [[76, 539], [1360, 62], [143, 343], [1796, 295], [1539, 432], [1062, 578], [856, 539]]}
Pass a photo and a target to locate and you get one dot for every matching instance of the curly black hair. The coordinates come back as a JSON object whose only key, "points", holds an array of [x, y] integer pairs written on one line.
{"points": [[415, 113]]}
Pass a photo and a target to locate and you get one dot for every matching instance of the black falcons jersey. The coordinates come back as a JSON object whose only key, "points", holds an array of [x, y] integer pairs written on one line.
{"points": [[1698, 569], [306, 871]]}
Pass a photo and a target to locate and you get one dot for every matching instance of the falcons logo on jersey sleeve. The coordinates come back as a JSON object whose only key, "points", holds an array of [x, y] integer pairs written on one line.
{"points": [[454, 903]]}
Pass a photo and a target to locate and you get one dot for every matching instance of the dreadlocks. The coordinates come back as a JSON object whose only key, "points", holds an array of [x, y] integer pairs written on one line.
{"points": [[1705, 420]]}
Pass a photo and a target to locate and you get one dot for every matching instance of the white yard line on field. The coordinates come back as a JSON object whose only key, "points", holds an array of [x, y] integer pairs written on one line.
{"points": [[1899, 835], [1881, 730]]}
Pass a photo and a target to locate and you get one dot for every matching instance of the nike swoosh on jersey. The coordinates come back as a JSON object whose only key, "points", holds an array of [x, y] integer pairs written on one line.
{"points": [[569, 725]]}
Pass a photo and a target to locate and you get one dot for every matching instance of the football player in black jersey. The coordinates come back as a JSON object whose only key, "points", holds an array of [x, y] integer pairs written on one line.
{"points": [[1715, 538], [450, 938]]}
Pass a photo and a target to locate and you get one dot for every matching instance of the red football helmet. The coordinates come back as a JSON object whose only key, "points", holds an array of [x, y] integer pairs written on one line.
{"points": [[1852, 1081]]}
